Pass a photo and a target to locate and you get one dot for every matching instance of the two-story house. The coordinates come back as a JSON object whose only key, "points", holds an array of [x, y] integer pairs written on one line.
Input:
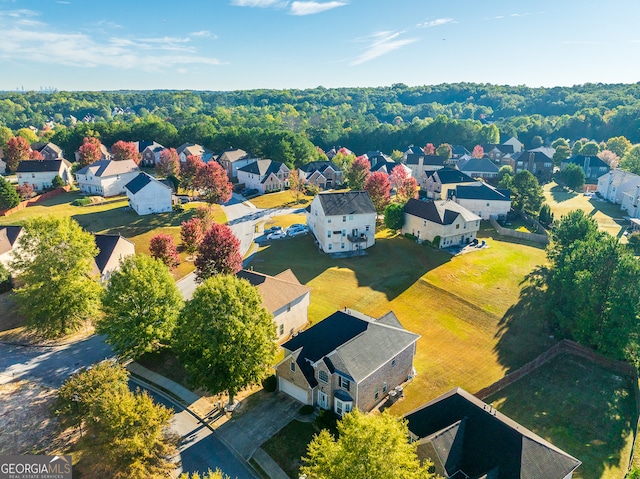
{"points": [[592, 166], [49, 151], [342, 221], [148, 195], [484, 200], [40, 173], [235, 158], [479, 168], [534, 161], [112, 249], [284, 297], [347, 360], [324, 174], [192, 149], [106, 177], [452, 223], [438, 183], [149, 152], [264, 176]]}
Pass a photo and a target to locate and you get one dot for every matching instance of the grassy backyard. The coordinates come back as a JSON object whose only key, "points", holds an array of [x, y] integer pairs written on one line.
{"points": [[608, 215], [113, 217], [281, 199], [579, 406]]}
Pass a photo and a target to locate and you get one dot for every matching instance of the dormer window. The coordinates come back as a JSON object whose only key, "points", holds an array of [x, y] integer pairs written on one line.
{"points": [[323, 376]]}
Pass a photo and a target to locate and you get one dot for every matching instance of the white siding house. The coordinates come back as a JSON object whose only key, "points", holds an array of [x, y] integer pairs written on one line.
{"points": [[106, 177], [483, 200], [112, 249], [445, 219], [40, 173], [148, 195], [342, 222], [616, 184]]}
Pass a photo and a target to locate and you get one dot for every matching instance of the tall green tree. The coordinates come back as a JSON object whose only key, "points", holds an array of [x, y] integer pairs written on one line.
{"points": [[141, 306], [444, 151], [54, 261], [394, 216], [562, 153], [619, 145], [235, 342], [368, 446], [527, 194], [591, 148], [9, 197], [573, 177], [631, 161]]}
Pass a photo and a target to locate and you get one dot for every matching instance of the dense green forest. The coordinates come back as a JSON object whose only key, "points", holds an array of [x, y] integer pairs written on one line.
{"points": [[286, 124]]}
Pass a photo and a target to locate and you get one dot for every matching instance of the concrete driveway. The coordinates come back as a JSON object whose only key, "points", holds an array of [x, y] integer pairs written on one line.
{"points": [[247, 431]]}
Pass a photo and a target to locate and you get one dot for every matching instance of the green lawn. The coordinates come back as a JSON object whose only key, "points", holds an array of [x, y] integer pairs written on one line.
{"points": [[113, 217], [608, 215], [289, 445], [281, 199], [582, 408]]}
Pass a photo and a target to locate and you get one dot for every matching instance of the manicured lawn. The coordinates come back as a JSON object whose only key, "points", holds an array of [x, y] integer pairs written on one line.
{"points": [[581, 407], [113, 217], [608, 215], [289, 445], [468, 310], [281, 199]]}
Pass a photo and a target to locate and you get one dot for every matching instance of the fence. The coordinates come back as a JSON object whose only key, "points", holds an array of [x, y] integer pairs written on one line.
{"points": [[36, 200], [535, 237], [564, 346]]}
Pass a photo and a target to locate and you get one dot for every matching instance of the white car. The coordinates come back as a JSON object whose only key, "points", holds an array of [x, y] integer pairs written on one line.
{"points": [[277, 235], [296, 230]]}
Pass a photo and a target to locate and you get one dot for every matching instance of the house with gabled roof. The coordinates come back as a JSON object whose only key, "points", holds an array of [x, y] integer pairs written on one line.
{"points": [[8, 239], [49, 151], [342, 221], [457, 151], [149, 152], [235, 158], [324, 174], [106, 177], [40, 173], [192, 149], [482, 199], [112, 249], [264, 176], [496, 151], [452, 223], [516, 144], [479, 168], [423, 165], [148, 195], [535, 161], [621, 187], [467, 438], [347, 360], [592, 166], [438, 183], [284, 297]]}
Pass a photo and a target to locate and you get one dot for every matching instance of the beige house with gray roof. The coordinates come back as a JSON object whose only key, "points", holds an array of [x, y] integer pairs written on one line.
{"points": [[106, 177]]}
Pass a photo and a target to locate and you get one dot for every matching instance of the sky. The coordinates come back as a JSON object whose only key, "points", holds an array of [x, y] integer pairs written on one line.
{"points": [[278, 44]]}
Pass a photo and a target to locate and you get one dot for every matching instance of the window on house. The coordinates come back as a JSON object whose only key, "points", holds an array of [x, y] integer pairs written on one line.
{"points": [[329, 220], [288, 307], [328, 234], [330, 246], [281, 329], [344, 232], [292, 366], [457, 227], [344, 218], [323, 376], [342, 245], [377, 394], [350, 217], [393, 362], [384, 387], [366, 228], [343, 383]]}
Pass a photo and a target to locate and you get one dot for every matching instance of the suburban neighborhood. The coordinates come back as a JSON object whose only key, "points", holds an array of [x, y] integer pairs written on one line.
{"points": [[264, 307]]}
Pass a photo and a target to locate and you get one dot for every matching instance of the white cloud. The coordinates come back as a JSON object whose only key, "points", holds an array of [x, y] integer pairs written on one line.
{"points": [[382, 43], [45, 45], [255, 3], [311, 8], [435, 23], [202, 34]]}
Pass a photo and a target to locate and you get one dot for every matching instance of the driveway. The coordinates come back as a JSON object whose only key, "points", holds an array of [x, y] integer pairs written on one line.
{"points": [[246, 432]]}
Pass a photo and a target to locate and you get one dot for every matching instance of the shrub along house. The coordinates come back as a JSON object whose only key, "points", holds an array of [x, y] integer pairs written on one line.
{"points": [[40, 173], [452, 223], [347, 360]]}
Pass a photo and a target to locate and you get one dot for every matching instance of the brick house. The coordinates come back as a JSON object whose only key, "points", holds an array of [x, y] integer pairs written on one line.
{"points": [[323, 174], [347, 360]]}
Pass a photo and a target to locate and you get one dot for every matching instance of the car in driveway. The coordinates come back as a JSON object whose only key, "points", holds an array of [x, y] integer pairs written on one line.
{"points": [[277, 235], [296, 230]]}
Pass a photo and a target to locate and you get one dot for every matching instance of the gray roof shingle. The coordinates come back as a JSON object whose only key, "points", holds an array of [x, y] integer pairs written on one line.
{"points": [[346, 203]]}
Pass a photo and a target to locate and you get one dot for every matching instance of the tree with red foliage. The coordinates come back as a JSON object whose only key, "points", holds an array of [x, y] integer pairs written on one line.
{"points": [[379, 188], [89, 152], [478, 152], [36, 155], [25, 191], [406, 186], [189, 170], [191, 233], [125, 150], [169, 163], [213, 183], [16, 150], [163, 247], [207, 215], [218, 253], [429, 149], [358, 173]]}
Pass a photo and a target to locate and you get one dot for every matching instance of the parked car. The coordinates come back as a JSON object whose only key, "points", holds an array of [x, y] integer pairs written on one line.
{"points": [[273, 229], [276, 235], [249, 192], [296, 230]]}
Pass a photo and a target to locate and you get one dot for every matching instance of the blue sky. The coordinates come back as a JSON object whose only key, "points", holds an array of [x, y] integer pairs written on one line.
{"points": [[243, 44]]}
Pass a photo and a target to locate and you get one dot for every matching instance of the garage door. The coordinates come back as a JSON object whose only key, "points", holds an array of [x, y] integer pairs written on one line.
{"points": [[292, 390]]}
